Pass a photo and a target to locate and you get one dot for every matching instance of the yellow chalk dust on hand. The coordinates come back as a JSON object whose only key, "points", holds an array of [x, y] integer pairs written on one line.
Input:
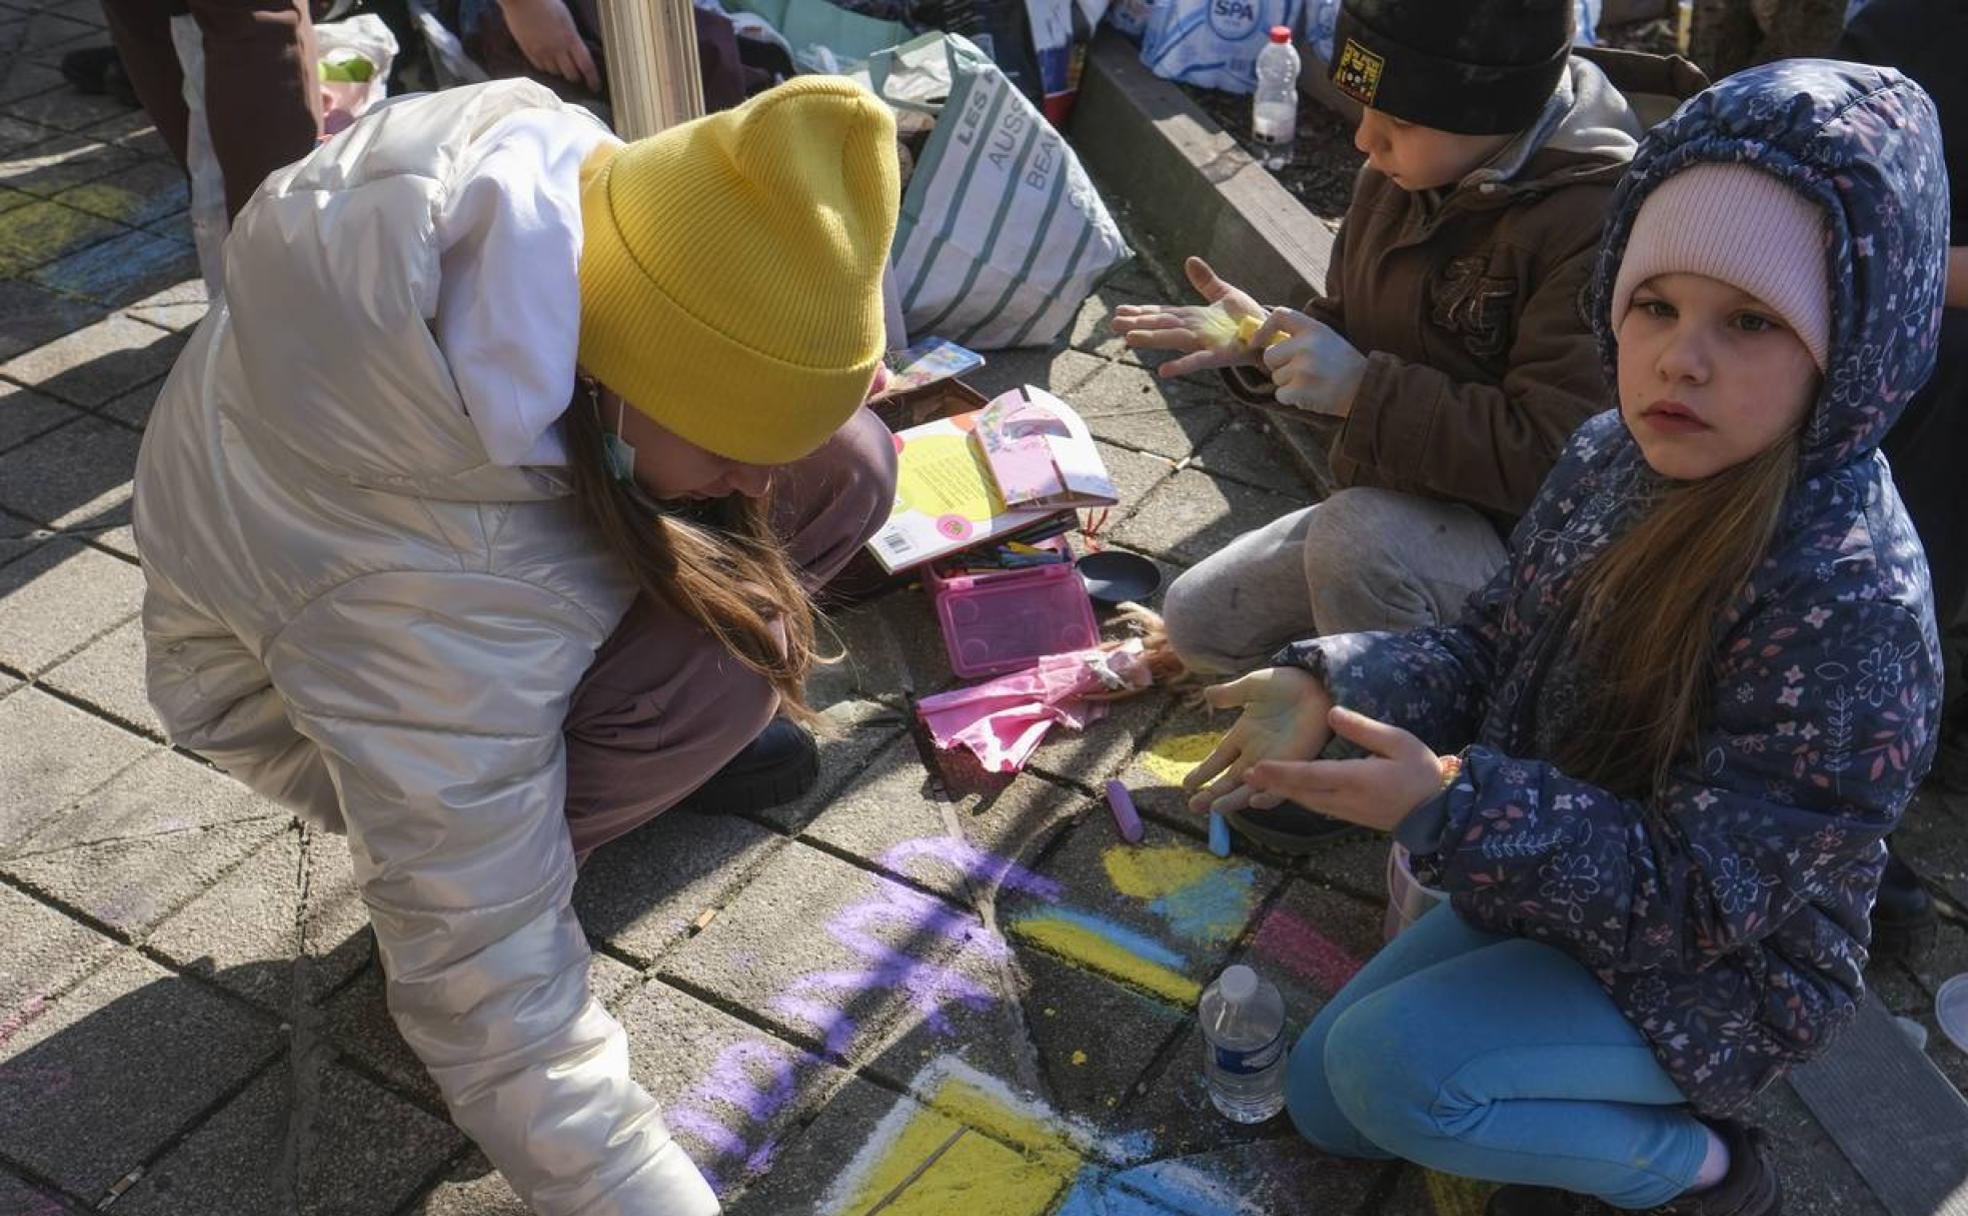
{"points": [[1170, 758]]}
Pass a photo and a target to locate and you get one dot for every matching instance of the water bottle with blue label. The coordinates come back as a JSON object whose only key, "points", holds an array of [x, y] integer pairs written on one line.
{"points": [[1243, 1023]]}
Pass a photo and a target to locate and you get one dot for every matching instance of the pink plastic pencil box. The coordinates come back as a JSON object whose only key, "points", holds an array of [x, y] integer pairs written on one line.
{"points": [[1000, 621]]}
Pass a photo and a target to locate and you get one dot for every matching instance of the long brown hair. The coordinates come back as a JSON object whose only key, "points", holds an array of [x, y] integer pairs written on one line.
{"points": [[722, 567], [1651, 608]]}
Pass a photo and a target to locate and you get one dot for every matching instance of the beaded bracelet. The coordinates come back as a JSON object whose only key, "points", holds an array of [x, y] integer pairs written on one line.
{"points": [[1451, 769]]}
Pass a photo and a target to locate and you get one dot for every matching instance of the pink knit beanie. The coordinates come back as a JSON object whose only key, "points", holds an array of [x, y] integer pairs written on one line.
{"points": [[1744, 227]]}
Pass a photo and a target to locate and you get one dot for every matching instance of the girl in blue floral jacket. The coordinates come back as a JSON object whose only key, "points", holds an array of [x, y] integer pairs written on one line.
{"points": [[1655, 761]]}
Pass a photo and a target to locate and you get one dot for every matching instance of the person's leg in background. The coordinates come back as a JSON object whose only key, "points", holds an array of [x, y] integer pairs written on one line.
{"points": [[141, 30], [262, 94], [1507, 1063], [1384, 560], [665, 707]]}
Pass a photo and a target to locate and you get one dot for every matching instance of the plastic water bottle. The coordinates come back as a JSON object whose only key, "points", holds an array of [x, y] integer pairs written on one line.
{"points": [[1243, 1021], [1274, 110]]}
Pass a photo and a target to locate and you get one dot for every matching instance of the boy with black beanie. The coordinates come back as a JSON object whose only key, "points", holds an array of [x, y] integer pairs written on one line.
{"points": [[1450, 344]]}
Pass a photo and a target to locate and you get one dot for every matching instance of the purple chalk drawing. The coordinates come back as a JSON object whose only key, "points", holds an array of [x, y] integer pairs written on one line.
{"points": [[17, 1021], [966, 858]]}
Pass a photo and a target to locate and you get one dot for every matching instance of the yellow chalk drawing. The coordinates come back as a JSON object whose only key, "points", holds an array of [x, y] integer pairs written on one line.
{"points": [[1150, 873], [976, 1148], [1079, 1059], [1454, 1196], [1089, 949], [940, 475], [1171, 757]]}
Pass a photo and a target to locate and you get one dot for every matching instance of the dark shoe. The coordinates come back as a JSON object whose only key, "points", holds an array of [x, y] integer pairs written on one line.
{"points": [[1750, 1188], [1534, 1201], [1289, 828], [1951, 761], [778, 767], [1904, 919], [96, 70]]}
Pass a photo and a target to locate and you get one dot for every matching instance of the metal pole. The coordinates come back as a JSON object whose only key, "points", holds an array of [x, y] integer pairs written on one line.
{"points": [[654, 81]]}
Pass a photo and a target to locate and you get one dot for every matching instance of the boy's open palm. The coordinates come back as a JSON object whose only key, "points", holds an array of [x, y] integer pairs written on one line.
{"points": [[1283, 719], [1399, 773], [1205, 334]]}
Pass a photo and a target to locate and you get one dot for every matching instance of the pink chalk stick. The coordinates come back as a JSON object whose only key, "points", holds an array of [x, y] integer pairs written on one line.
{"points": [[1127, 822]]}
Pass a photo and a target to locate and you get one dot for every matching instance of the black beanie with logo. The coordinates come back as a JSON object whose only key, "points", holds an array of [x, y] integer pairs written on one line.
{"points": [[1476, 67]]}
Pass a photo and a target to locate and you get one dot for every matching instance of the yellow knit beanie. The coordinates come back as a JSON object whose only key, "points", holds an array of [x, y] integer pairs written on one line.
{"points": [[731, 268]]}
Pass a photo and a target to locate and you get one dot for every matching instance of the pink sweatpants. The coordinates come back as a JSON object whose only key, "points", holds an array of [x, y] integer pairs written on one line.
{"points": [[665, 706]]}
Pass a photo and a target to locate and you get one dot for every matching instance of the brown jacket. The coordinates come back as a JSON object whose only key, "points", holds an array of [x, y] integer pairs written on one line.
{"points": [[1469, 302]]}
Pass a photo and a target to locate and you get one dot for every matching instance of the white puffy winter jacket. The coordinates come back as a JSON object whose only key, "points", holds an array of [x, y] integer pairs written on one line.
{"points": [[352, 611]]}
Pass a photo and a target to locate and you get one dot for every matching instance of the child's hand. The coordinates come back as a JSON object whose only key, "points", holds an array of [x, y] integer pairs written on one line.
{"points": [[1284, 718], [1378, 791], [1313, 367], [1207, 335]]}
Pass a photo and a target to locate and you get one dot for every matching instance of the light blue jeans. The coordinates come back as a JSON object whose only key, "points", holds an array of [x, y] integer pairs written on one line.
{"points": [[1496, 1058]]}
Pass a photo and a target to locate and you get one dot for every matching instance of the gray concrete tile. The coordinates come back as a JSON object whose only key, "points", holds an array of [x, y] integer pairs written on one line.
{"points": [[10, 199], [40, 232], [109, 674], [1280, 1176], [1089, 757], [79, 477], [1094, 1039], [249, 933], [18, 133], [862, 728], [470, 1188], [177, 307], [1310, 942], [1154, 428], [64, 108], [1193, 515], [59, 596], [44, 29], [125, 125], [25, 414], [19, 536], [1245, 452], [19, 1197], [54, 755], [53, 165], [118, 1066], [806, 1175], [124, 268], [31, 315], [1057, 370], [21, 77], [893, 645], [93, 365], [365, 1153], [728, 1091], [644, 892], [1818, 1180], [358, 1023], [42, 952], [1136, 475], [143, 845], [892, 818]]}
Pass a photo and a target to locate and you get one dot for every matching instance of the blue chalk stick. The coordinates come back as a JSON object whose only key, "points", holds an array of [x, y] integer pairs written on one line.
{"points": [[1219, 835]]}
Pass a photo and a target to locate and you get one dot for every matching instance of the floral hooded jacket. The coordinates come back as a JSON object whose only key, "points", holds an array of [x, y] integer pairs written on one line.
{"points": [[1727, 917]]}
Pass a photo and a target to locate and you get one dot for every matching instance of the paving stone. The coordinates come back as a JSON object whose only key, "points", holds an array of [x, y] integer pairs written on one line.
{"points": [[1173, 1108], [1275, 1177], [1123, 405], [857, 964], [18, 133], [804, 1172], [21, 77], [1093, 326], [139, 194], [31, 315], [894, 645], [644, 892], [1160, 916], [59, 596], [79, 477], [246, 933], [54, 755], [116, 1067], [1947, 958], [25, 414], [178, 307], [18, 1197], [121, 269], [358, 1022], [864, 727], [1310, 943], [1193, 515], [1421, 1192], [366, 1151], [1177, 743], [1089, 757], [729, 1092], [10, 199], [1055, 369], [1818, 1180], [91, 366], [155, 836], [1245, 452], [65, 108], [42, 952], [1933, 837], [891, 818], [470, 1188], [41, 232], [1094, 1040], [53, 165], [43, 30], [125, 125], [1136, 475], [109, 674]]}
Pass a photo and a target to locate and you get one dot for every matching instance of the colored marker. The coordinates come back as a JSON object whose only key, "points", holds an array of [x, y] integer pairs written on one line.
{"points": [[1127, 822], [1219, 835]]}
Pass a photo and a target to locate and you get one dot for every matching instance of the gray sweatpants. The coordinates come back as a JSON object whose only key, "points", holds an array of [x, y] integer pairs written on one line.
{"points": [[1363, 559]]}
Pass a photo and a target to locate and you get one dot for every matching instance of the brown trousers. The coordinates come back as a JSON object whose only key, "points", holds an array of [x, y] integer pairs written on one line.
{"points": [[665, 706], [262, 100]]}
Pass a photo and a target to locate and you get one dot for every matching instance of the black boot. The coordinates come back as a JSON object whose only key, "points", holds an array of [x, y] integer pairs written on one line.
{"points": [[1750, 1188], [96, 70], [1288, 828], [1535, 1201], [779, 766], [1904, 919]]}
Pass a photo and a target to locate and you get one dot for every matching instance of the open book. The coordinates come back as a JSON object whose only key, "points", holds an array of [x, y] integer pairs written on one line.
{"points": [[1004, 472]]}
